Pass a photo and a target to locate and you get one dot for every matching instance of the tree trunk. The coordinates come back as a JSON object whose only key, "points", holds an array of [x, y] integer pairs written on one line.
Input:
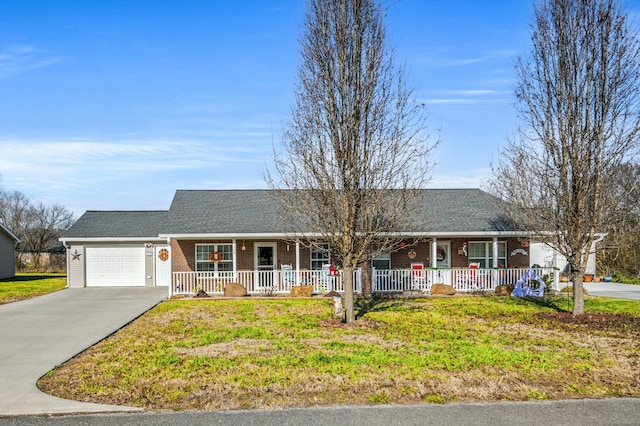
{"points": [[578, 294], [347, 279]]}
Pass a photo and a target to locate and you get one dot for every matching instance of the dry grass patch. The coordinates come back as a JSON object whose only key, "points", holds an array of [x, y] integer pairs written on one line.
{"points": [[232, 354]]}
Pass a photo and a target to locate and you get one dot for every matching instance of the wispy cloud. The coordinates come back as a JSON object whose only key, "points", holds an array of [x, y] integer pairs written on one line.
{"points": [[444, 57], [467, 96], [474, 92], [92, 172], [129, 156], [471, 178], [22, 58]]}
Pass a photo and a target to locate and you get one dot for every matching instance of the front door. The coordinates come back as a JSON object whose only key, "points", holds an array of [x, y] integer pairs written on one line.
{"points": [[163, 265], [443, 250], [265, 263], [443, 262]]}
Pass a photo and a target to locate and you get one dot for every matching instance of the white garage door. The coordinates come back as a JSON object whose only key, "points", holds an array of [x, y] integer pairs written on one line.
{"points": [[115, 266]]}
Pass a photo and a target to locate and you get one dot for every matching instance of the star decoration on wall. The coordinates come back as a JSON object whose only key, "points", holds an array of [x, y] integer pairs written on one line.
{"points": [[75, 255]]}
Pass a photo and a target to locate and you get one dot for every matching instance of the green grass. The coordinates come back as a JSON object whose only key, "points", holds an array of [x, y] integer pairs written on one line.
{"points": [[275, 353], [26, 286]]}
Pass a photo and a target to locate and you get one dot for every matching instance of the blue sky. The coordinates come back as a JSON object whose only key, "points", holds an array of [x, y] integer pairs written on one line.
{"points": [[113, 105]]}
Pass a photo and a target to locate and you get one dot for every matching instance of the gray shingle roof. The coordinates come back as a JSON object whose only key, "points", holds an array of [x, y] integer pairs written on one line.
{"points": [[237, 212], [118, 224], [223, 211], [254, 211], [461, 210]]}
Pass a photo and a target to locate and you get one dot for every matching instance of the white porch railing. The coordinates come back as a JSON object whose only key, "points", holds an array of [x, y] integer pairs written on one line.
{"points": [[261, 282], [382, 281], [462, 279]]}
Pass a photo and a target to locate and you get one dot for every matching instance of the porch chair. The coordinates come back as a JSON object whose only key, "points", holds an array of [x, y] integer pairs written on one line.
{"points": [[288, 276], [473, 275], [325, 281], [418, 279]]}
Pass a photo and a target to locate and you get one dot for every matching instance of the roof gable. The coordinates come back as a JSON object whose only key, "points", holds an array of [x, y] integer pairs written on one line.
{"points": [[9, 234]]}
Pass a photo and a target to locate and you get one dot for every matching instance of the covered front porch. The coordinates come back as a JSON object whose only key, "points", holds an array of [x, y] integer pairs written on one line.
{"points": [[383, 281], [274, 282]]}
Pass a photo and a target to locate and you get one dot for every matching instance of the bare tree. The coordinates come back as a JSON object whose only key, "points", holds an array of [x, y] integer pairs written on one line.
{"points": [[355, 149], [37, 225], [620, 255], [579, 119], [46, 226], [16, 212]]}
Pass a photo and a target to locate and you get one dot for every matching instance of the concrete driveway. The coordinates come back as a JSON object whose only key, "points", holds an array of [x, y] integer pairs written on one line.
{"points": [[619, 291], [38, 334]]}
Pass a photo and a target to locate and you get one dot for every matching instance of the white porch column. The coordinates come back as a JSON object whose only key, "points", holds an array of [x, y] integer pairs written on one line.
{"points": [[495, 262], [171, 284], [235, 259], [298, 262], [434, 253]]}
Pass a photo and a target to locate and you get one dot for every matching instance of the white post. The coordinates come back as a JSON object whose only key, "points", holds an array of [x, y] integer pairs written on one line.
{"points": [[235, 260], [434, 253], [556, 269], [170, 260], [495, 262], [298, 262], [374, 280]]}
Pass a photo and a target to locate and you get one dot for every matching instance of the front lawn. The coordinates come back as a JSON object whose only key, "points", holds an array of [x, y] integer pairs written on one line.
{"points": [[276, 353], [26, 286]]}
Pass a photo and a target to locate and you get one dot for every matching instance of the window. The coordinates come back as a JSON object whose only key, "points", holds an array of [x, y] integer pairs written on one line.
{"points": [[319, 256], [482, 253], [382, 260], [204, 263]]}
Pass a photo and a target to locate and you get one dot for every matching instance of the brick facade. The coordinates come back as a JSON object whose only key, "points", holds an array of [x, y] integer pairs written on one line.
{"points": [[401, 260], [183, 257]]}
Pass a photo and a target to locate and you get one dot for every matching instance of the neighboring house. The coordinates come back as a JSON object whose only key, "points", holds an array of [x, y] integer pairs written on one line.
{"points": [[544, 255], [210, 238], [8, 242], [50, 259]]}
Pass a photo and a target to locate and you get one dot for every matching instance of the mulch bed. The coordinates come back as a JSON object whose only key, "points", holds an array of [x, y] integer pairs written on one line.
{"points": [[621, 322]]}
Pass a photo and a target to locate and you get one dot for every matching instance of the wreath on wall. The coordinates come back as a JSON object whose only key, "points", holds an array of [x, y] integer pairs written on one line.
{"points": [[163, 254], [215, 256]]}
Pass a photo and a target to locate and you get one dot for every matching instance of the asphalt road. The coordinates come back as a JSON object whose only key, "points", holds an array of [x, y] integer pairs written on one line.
{"points": [[619, 411], [619, 291]]}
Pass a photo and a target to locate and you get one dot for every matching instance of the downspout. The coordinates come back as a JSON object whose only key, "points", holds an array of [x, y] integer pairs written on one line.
{"points": [[66, 254], [594, 251]]}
